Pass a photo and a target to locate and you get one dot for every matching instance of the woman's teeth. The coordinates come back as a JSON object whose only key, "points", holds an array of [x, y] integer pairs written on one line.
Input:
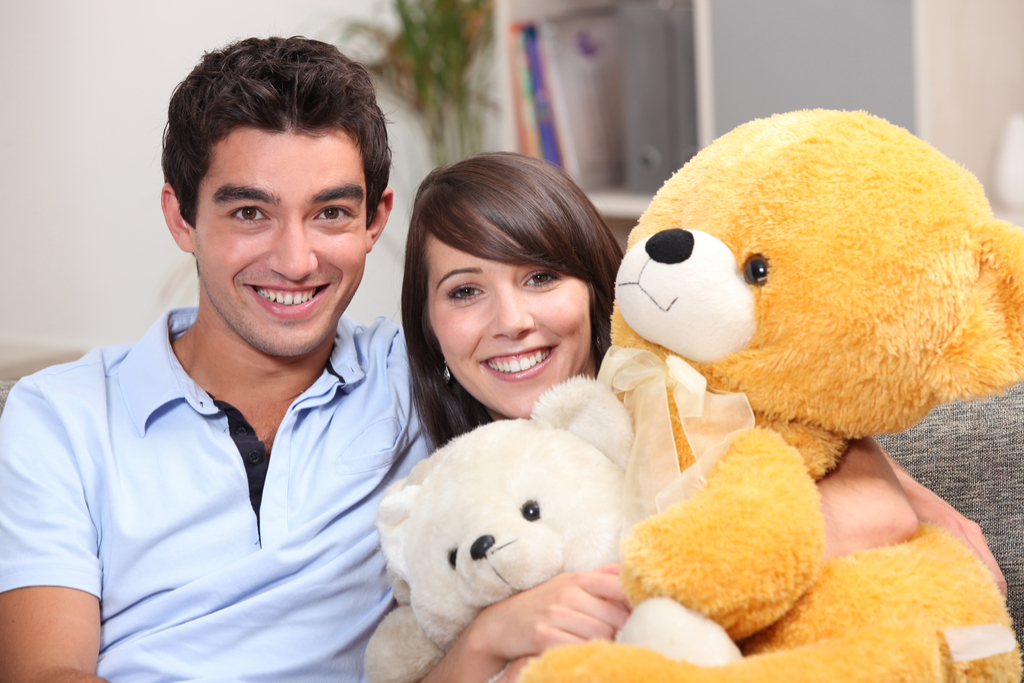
{"points": [[519, 364], [286, 298]]}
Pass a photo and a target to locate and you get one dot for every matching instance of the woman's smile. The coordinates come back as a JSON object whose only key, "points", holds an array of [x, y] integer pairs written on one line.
{"points": [[516, 364]]}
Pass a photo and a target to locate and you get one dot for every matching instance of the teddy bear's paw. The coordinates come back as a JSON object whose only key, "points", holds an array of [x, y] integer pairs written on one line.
{"points": [[400, 651], [602, 661], [744, 549], [678, 633]]}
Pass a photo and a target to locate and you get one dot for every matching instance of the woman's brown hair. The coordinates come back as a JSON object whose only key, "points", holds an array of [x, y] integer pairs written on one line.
{"points": [[505, 207]]}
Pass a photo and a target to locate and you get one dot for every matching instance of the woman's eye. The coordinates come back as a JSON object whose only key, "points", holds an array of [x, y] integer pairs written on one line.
{"points": [[249, 213], [541, 278], [463, 293], [531, 511], [451, 556]]}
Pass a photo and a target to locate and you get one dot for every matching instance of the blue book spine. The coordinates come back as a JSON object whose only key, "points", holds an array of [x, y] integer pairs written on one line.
{"points": [[542, 98]]}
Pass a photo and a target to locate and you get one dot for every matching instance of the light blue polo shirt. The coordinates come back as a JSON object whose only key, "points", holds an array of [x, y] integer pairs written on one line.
{"points": [[118, 477]]}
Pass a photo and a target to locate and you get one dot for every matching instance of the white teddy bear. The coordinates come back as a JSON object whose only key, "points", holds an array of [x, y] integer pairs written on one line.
{"points": [[500, 510]]}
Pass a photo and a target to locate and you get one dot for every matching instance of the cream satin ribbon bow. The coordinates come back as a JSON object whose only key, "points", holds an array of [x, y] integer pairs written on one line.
{"points": [[710, 419]]}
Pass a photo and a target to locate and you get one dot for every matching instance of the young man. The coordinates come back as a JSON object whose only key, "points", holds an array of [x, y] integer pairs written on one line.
{"points": [[199, 505]]}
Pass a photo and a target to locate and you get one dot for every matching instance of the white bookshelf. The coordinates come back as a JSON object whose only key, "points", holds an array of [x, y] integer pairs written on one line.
{"points": [[615, 205], [725, 90]]}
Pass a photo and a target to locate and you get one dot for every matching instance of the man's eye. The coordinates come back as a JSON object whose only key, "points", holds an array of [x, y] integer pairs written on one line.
{"points": [[332, 214], [249, 213]]}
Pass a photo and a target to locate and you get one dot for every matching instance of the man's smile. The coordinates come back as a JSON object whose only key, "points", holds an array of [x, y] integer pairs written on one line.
{"points": [[288, 298]]}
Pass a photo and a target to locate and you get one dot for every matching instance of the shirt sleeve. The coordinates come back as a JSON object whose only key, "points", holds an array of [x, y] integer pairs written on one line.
{"points": [[48, 536]]}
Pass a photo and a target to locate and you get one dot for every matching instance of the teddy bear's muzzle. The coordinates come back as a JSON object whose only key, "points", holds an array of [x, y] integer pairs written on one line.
{"points": [[683, 289]]}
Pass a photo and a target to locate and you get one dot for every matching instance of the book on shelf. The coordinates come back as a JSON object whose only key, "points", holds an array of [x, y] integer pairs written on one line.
{"points": [[568, 102], [526, 112]]}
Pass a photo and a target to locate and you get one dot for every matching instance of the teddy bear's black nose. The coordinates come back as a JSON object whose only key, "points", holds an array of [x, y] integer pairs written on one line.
{"points": [[670, 246], [478, 550]]}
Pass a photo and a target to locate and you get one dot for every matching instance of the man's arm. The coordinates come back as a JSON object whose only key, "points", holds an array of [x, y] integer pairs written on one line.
{"points": [[49, 635]]}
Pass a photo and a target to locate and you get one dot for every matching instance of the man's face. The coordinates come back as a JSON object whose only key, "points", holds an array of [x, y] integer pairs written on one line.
{"points": [[280, 238]]}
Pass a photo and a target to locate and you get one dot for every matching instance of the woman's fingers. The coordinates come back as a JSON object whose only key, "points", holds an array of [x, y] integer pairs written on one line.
{"points": [[569, 608]]}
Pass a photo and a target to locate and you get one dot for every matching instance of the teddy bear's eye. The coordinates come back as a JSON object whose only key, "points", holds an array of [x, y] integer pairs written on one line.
{"points": [[755, 272], [531, 511], [451, 556]]}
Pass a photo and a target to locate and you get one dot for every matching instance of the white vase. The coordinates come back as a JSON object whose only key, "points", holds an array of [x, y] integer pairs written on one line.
{"points": [[1009, 174]]}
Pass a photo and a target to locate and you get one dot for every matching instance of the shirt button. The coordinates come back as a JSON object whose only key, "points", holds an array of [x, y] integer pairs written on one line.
{"points": [[254, 457], [241, 431]]}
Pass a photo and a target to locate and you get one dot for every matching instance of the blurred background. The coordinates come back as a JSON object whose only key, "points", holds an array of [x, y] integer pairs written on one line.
{"points": [[85, 258]]}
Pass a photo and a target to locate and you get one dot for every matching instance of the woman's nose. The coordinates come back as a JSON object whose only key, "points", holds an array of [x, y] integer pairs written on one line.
{"points": [[512, 315]]}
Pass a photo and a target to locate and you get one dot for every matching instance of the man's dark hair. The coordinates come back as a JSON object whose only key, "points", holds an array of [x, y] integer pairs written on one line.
{"points": [[278, 85]]}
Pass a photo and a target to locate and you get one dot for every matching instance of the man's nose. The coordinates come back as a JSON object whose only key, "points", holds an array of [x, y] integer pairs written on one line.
{"points": [[293, 255]]}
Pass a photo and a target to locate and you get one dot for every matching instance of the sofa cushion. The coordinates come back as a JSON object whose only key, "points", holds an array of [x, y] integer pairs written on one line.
{"points": [[972, 455], [5, 388]]}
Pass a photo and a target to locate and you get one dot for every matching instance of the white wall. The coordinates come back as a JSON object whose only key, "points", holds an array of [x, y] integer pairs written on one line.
{"points": [[971, 79], [85, 258]]}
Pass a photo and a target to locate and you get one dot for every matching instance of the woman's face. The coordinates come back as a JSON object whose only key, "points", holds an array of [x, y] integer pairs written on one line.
{"points": [[508, 332]]}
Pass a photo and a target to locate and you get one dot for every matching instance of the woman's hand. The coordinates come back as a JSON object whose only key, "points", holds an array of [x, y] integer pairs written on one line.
{"points": [[569, 608], [931, 508]]}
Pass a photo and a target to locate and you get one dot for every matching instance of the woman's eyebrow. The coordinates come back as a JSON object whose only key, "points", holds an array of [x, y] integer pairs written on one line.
{"points": [[457, 271]]}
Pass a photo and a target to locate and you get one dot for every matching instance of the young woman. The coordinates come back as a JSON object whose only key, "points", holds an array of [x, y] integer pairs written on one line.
{"points": [[508, 290]]}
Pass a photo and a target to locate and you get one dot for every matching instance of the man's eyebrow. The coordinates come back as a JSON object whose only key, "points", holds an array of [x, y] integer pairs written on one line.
{"points": [[233, 193], [350, 191], [457, 271]]}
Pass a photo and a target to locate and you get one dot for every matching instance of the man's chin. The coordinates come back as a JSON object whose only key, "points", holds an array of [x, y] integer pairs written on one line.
{"points": [[291, 346]]}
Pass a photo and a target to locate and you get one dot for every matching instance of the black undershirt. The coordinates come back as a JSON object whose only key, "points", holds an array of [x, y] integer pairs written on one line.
{"points": [[252, 450]]}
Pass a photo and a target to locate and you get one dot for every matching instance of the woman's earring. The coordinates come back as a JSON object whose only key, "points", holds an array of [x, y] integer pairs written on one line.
{"points": [[447, 374]]}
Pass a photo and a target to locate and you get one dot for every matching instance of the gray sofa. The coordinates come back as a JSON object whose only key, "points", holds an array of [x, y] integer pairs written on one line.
{"points": [[971, 454]]}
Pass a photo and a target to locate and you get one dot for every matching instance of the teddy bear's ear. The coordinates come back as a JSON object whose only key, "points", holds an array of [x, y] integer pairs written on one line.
{"points": [[392, 521], [591, 411], [392, 517], [985, 355]]}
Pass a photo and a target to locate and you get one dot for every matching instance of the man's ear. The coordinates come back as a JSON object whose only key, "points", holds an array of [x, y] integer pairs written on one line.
{"points": [[181, 231], [380, 219]]}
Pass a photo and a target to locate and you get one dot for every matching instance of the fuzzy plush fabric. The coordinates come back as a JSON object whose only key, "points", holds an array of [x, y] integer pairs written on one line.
{"points": [[496, 511], [847, 278], [971, 453]]}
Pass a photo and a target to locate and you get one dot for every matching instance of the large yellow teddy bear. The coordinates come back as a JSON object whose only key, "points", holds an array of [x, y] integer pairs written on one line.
{"points": [[846, 278]]}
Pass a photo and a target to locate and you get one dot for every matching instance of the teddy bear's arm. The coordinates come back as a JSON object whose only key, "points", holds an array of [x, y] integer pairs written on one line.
{"points": [[399, 650], [890, 652], [743, 549]]}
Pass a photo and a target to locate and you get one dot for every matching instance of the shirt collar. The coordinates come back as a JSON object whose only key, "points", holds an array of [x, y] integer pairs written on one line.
{"points": [[345, 358], [152, 377]]}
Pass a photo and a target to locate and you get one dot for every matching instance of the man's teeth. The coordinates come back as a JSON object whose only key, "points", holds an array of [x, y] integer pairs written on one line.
{"points": [[286, 298], [519, 364]]}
